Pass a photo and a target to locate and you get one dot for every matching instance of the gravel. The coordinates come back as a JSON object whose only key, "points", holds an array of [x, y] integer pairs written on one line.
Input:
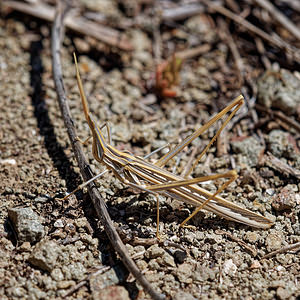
{"points": [[59, 243]]}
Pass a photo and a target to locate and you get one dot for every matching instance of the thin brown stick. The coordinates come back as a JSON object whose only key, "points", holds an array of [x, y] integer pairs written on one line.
{"points": [[190, 162], [239, 241], [84, 281], [193, 52], [280, 115], [282, 250], [280, 18], [157, 43], [99, 204], [182, 12], [276, 41], [280, 166], [227, 38], [77, 23], [222, 144], [262, 51]]}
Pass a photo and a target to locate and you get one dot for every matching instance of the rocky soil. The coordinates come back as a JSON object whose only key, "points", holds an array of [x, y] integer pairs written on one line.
{"points": [[48, 246]]}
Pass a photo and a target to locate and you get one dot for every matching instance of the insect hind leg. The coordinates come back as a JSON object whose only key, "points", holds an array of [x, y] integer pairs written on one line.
{"points": [[232, 175]]}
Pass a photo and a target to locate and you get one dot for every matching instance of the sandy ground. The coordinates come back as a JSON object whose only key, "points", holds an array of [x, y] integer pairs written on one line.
{"points": [[215, 259]]}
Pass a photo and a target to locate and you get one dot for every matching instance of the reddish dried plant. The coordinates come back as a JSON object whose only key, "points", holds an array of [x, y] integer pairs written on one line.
{"points": [[167, 76]]}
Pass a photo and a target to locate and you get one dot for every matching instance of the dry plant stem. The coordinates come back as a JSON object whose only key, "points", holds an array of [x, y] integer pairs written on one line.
{"points": [[157, 43], [193, 52], [281, 18], [261, 49], [239, 241], [190, 162], [222, 143], [75, 288], [276, 41], [282, 250], [280, 166], [99, 204], [77, 23], [182, 12], [83, 282], [280, 115], [227, 38]]}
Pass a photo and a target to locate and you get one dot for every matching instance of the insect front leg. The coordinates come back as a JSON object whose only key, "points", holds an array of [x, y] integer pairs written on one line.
{"points": [[84, 142]]}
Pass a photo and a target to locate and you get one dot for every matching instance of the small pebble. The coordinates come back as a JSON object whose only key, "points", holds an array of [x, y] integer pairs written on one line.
{"points": [[229, 267], [286, 199], [113, 276], [250, 148], [255, 265], [59, 223], [154, 251], [45, 255], [184, 273], [166, 260], [111, 293], [252, 237], [279, 89], [282, 293], [26, 224], [274, 241]]}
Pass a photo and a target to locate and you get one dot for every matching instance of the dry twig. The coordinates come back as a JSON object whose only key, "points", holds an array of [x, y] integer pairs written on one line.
{"points": [[193, 52], [280, 166], [281, 18], [262, 51], [182, 12], [280, 115], [239, 241], [99, 204], [276, 41], [282, 250], [227, 38], [77, 23]]}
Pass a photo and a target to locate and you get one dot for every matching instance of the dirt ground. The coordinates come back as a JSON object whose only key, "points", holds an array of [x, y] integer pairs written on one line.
{"points": [[59, 244]]}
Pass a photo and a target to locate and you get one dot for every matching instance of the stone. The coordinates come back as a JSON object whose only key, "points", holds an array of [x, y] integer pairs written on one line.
{"points": [[252, 237], [250, 148], [286, 199], [203, 273], [283, 293], [280, 144], [111, 293], [45, 255], [184, 273], [274, 241], [183, 296], [113, 276], [77, 270], [279, 90], [26, 224], [180, 256], [154, 251], [255, 265], [57, 274], [166, 260], [229, 268]]}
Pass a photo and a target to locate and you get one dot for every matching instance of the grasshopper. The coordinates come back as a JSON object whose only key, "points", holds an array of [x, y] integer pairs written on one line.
{"points": [[150, 177]]}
